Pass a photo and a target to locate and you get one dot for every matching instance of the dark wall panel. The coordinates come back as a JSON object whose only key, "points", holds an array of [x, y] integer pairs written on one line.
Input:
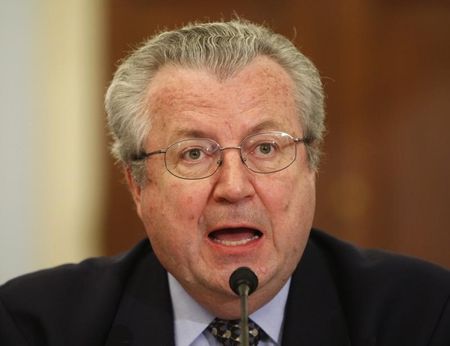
{"points": [[386, 70]]}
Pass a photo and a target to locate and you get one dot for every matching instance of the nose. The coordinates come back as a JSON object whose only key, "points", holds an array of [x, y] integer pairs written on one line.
{"points": [[233, 179]]}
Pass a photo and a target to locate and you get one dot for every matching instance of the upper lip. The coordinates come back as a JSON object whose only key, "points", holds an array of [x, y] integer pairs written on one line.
{"points": [[253, 227]]}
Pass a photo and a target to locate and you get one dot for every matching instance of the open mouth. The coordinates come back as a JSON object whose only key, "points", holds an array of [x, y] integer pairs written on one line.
{"points": [[234, 236]]}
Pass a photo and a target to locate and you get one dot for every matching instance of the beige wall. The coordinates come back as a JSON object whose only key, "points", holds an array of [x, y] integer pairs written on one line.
{"points": [[63, 141]]}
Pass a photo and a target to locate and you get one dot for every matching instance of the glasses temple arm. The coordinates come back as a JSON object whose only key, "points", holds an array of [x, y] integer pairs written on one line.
{"points": [[144, 155]]}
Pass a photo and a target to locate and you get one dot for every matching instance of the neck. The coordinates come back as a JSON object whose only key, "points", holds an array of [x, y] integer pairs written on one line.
{"points": [[226, 304]]}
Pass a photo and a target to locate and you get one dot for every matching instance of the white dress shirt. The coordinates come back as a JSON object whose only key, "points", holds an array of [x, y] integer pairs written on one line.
{"points": [[191, 319]]}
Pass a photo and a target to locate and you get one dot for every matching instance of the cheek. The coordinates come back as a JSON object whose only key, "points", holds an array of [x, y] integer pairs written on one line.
{"points": [[186, 206], [189, 207], [172, 204], [290, 196], [291, 204]]}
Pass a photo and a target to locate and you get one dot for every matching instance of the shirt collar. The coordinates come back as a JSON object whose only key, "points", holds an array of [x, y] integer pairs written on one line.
{"points": [[270, 316], [191, 319]]}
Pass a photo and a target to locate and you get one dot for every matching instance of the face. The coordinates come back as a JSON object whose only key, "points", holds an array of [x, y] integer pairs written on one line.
{"points": [[202, 230]]}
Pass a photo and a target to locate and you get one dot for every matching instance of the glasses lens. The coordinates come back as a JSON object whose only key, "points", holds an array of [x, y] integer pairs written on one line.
{"points": [[268, 152], [193, 158]]}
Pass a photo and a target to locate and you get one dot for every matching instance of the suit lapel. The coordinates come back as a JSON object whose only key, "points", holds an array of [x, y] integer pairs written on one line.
{"points": [[144, 316], [313, 314]]}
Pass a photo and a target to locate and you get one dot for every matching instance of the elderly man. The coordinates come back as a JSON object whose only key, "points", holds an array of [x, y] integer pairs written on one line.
{"points": [[218, 127]]}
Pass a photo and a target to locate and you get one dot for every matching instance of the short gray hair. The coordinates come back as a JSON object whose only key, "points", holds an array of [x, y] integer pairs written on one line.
{"points": [[222, 48]]}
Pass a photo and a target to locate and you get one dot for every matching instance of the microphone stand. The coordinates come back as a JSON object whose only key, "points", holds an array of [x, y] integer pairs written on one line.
{"points": [[243, 281], [243, 294]]}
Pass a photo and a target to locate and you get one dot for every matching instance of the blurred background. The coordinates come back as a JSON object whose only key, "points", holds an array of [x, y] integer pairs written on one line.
{"points": [[384, 180]]}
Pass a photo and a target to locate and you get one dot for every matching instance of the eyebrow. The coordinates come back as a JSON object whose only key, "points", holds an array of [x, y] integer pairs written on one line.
{"points": [[267, 125], [189, 133]]}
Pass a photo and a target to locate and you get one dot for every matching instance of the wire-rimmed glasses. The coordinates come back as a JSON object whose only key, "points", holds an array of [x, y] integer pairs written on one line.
{"points": [[198, 158]]}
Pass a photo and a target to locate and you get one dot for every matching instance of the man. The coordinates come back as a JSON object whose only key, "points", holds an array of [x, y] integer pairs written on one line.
{"points": [[218, 127]]}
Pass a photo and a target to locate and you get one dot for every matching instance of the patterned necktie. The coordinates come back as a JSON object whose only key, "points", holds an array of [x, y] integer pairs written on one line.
{"points": [[228, 332]]}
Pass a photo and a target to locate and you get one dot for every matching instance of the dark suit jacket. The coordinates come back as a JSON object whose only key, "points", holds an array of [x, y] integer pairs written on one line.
{"points": [[339, 295]]}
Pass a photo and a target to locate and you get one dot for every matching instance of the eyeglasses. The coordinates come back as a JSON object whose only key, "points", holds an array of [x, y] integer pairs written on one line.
{"points": [[199, 158]]}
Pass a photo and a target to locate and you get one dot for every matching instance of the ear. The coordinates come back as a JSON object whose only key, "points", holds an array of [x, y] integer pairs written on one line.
{"points": [[134, 187]]}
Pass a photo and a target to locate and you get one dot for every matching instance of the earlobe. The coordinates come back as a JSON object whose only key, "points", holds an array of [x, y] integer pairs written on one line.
{"points": [[134, 187]]}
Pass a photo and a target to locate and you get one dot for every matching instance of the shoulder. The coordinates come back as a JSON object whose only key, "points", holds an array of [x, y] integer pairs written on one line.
{"points": [[379, 268], [67, 297], [398, 294], [88, 276]]}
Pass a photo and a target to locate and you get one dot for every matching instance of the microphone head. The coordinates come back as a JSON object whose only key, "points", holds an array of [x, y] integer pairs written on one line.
{"points": [[246, 276]]}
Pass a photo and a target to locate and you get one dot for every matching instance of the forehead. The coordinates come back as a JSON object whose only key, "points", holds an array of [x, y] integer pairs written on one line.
{"points": [[258, 97]]}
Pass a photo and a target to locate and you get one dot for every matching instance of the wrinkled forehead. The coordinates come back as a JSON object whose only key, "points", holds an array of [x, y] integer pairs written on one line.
{"points": [[262, 92], [262, 75]]}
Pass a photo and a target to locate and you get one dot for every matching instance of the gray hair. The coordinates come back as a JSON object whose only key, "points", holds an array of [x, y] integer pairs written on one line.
{"points": [[221, 47]]}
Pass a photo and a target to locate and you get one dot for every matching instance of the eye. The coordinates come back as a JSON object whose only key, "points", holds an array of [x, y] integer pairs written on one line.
{"points": [[192, 154], [265, 149]]}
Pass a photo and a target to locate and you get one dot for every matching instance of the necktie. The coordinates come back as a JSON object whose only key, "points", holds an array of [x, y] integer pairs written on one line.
{"points": [[228, 332]]}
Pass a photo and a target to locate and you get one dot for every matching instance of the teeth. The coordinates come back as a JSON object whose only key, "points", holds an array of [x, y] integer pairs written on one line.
{"points": [[235, 242]]}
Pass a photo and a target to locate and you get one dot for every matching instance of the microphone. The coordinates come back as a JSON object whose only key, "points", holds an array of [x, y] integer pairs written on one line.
{"points": [[243, 282]]}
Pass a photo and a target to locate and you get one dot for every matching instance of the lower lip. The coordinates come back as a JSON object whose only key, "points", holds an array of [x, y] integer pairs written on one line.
{"points": [[236, 249]]}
